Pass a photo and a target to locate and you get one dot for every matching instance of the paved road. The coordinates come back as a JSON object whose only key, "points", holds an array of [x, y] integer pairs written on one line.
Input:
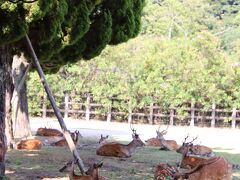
{"points": [[223, 138]]}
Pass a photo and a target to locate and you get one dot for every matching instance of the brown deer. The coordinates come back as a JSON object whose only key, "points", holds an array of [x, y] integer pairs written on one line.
{"points": [[29, 144], [200, 150], [48, 132], [103, 139], [160, 141], [214, 168], [91, 174], [190, 161], [165, 171], [75, 137], [115, 149]]}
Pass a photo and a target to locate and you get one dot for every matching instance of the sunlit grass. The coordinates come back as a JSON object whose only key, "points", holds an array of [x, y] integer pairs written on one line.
{"points": [[46, 162]]}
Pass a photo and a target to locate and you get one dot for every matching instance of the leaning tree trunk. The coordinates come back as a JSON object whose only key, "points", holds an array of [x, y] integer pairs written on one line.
{"points": [[5, 73], [19, 101]]}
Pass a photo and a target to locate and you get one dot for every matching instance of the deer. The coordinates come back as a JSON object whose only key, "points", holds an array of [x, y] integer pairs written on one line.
{"points": [[213, 168], [48, 132], [103, 139], [91, 174], [200, 150], [160, 141], [165, 171], [192, 161], [29, 144], [116, 149], [75, 137]]}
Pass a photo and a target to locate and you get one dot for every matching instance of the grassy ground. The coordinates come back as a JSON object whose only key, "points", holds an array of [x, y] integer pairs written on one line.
{"points": [[45, 163]]}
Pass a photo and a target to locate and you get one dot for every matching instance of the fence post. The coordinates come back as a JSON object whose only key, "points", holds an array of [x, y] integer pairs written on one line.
{"points": [[129, 112], [44, 107], [213, 115], [192, 115], [88, 107], [171, 116], [66, 100], [234, 114], [109, 114], [150, 120]]}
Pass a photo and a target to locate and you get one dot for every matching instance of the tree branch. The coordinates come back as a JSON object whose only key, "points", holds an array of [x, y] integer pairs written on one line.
{"points": [[22, 1]]}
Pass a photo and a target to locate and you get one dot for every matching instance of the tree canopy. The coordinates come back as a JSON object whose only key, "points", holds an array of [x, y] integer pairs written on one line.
{"points": [[179, 56], [65, 31]]}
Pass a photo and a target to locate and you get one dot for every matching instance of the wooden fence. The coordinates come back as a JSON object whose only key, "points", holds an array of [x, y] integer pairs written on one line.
{"points": [[152, 114]]}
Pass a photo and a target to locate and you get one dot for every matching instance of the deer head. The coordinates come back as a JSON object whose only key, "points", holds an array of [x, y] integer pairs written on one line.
{"points": [[135, 137], [160, 134], [186, 146], [102, 138]]}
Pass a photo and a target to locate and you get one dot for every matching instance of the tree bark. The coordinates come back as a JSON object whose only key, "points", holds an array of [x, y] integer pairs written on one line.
{"points": [[5, 73], [19, 101]]}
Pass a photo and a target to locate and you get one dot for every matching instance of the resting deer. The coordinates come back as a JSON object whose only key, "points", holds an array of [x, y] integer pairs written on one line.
{"points": [[30, 144], [192, 161], [75, 137], [120, 150], [92, 172], [200, 150], [48, 132], [215, 168], [160, 141], [165, 171], [103, 139]]}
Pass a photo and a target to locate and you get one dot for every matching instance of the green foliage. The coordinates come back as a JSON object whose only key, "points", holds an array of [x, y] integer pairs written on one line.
{"points": [[65, 31], [179, 57]]}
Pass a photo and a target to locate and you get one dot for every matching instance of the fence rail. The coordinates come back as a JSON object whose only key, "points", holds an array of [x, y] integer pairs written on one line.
{"points": [[152, 114]]}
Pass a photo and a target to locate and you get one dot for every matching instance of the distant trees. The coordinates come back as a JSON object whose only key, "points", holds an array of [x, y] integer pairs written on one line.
{"points": [[179, 58], [61, 32]]}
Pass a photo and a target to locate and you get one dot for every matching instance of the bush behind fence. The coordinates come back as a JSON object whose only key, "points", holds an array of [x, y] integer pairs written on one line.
{"points": [[84, 107]]}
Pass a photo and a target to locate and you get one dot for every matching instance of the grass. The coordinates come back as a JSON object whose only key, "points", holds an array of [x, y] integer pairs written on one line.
{"points": [[45, 163]]}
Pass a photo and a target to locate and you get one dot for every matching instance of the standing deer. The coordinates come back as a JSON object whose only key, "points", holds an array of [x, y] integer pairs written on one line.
{"points": [[160, 141], [29, 144], [48, 132], [120, 150], [91, 174], [75, 137], [200, 150]]}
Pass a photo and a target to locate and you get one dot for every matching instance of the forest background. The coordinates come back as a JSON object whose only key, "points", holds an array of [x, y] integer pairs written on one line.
{"points": [[187, 52]]}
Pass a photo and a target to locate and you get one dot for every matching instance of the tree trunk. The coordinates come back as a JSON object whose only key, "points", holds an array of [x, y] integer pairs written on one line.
{"points": [[19, 101], [8, 107], [5, 73]]}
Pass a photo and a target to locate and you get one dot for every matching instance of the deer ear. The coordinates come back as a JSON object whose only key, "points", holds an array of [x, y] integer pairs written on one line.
{"points": [[100, 164], [107, 136], [101, 135]]}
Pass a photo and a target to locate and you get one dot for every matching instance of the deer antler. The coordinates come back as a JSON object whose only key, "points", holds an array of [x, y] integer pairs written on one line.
{"points": [[193, 139], [131, 127], [165, 131], [185, 138]]}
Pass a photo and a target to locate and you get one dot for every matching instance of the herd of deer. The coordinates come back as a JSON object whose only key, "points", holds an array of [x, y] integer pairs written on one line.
{"points": [[198, 162]]}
